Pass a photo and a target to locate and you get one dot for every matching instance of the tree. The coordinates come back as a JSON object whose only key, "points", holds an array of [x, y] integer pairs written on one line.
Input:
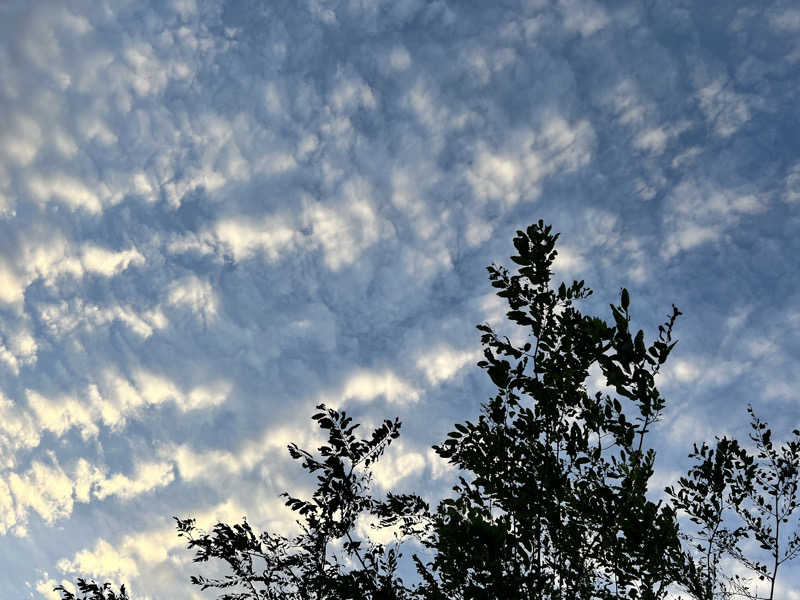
{"points": [[551, 502], [733, 495], [91, 590], [328, 559]]}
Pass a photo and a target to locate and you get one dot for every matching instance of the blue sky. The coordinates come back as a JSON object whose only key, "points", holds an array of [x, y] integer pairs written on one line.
{"points": [[216, 214]]}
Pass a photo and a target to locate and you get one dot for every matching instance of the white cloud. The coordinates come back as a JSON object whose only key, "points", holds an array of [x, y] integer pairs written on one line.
{"points": [[21, 140], [397, 464], [62, 414], [195, 294], [366, 386], [246, 238], [633, 110], [685, 427], [154, 389], [653, 140], [725, 109], [697, 214], [786, 20], [18, 431], [148, 551], [66, 318], [700, 372], [108, 263], [481, 63], [103, 562], [791, 194], [583, 16], [685, 371], [352, 94], [443, 363], [425, 102], [399, 58], [209, 465], [439, 467], [111, 401], [346, 230], [626, 103], [148, 476], [45, 587], [68, 190], [45, 489], [514, 172], [51, 492], [568, 261], [52, 256], [8, 517], [12, 286]]}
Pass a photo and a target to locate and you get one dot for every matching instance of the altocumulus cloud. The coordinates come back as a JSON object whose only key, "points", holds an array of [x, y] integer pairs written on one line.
{"points": [[215, 214]]}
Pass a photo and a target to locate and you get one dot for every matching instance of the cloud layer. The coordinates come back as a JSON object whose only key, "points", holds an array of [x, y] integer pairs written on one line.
{"points": [[215, 214]]}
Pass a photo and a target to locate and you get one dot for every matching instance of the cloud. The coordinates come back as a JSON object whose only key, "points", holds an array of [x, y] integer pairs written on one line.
{"points": [[209, 465], [150, 550], [107, 263], [725, 109], [212, 216], [697, 214], [45, 489], [366, 386], [345, 231], [583, 16], [148, 476], [515, 172], [46, 584], [443, 363], [792, 185], [102, 562], [18, 430], [700, 372], [195, 294], [68, 190], [110, 402], [399, 59], [51, 258], [69, 317], [244, 238], [51, 492], [62, 414], [568, 261], [785, 21], [396, 465]]}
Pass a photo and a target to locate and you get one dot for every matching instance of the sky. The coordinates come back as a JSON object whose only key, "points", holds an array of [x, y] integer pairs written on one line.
{"points": [[215, 215]]}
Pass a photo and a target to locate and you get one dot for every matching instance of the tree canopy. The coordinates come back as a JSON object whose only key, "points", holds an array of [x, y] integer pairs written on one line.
{"points": [[552, 500]]}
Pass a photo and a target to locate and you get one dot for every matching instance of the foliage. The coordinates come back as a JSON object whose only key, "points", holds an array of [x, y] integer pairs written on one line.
{"points": [[327, 559], [553, 504], [92, 591], [737, 498]]}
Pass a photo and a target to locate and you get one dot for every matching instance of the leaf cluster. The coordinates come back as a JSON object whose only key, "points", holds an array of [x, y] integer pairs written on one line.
{"points": [[556, 503], [91, 590]]}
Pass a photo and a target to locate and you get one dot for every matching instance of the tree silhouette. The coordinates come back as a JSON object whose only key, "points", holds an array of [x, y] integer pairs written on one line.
{"points": [[551, 500], [328, 559], [91, 590], [733, 496]]}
